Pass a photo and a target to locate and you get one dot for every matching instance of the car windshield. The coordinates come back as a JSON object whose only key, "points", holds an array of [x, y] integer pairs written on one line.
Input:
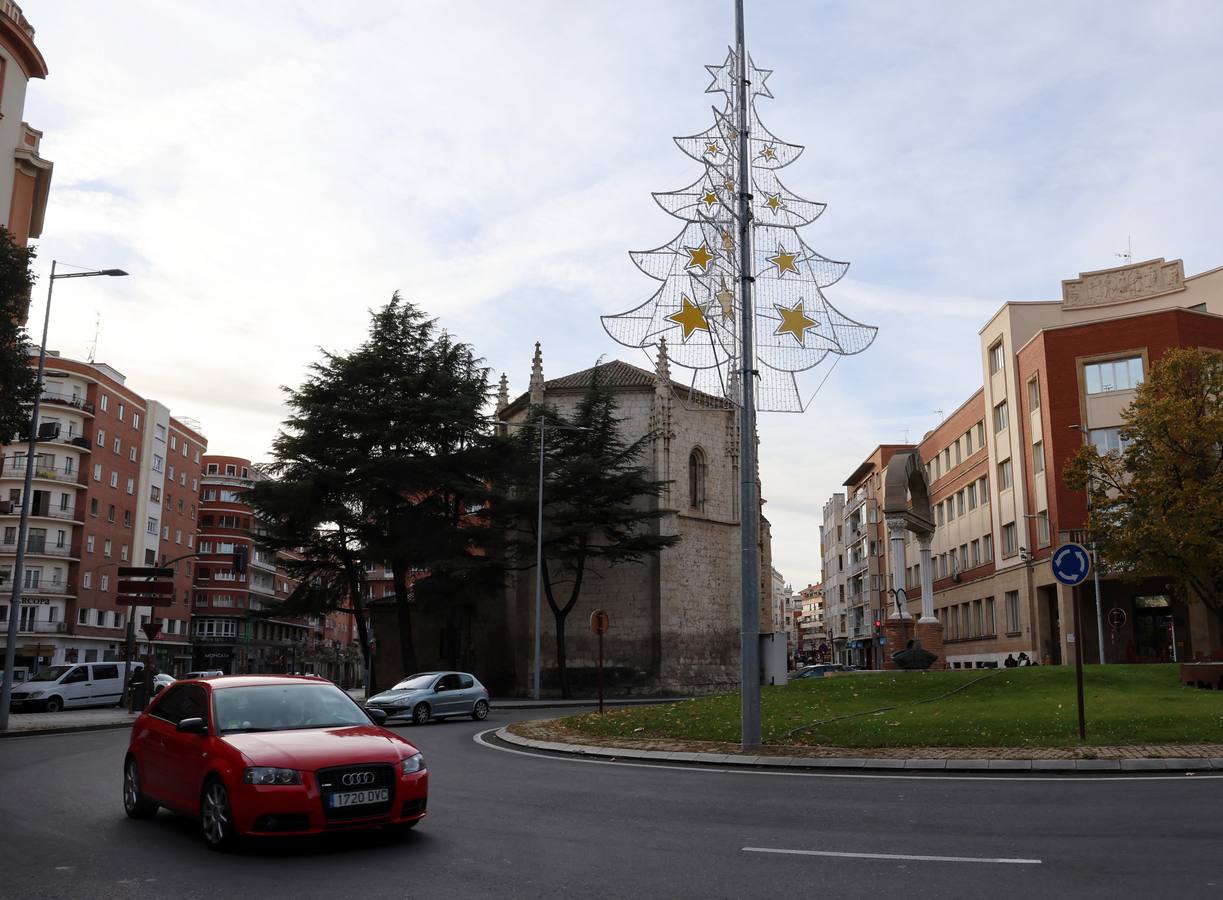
{"points": [[282, 707], [51, 674], [416, 682]]}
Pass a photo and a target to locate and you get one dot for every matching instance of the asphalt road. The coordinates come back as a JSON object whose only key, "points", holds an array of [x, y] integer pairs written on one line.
{"points": [[507, 824]]}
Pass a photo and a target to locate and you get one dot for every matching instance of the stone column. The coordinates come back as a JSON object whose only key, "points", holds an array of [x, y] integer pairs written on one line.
{"points": [[927, 580], [896, 538]]}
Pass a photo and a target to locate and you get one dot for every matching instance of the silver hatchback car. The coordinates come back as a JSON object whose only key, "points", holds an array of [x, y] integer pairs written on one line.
{"points": [[434, 695]]}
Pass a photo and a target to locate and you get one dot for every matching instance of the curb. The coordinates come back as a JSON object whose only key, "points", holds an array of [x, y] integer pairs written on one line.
{"points": [[67, 729], [860, 765]]}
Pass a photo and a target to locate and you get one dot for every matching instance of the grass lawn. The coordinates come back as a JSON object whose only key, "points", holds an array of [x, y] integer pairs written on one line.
{"points": [[1024, 707]]}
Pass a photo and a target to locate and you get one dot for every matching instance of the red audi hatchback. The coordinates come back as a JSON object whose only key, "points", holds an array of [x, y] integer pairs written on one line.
{"points": [[270, 755]]}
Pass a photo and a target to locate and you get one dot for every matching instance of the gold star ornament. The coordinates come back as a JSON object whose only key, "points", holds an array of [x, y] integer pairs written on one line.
{"points": [[690, 317], [794, 321], [710, 199], [726, 298], [769, 152], [699, 257], [712, 149], [774, 202], [784, 261]]}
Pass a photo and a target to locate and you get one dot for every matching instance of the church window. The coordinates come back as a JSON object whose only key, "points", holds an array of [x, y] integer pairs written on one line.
{"points": [[696, 479]]}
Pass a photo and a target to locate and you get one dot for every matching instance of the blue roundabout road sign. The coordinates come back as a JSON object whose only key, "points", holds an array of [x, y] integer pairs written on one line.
{"points": [[1071, 564]]}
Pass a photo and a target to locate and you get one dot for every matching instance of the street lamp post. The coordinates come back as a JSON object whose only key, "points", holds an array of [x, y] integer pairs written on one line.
{"points": [[10, 647], [1095, 560], [542, 424]]}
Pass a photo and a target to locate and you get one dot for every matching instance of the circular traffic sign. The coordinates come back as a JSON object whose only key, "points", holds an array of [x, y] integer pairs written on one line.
{"points": [[600, 621], [1071, 564], [1116, 617]]}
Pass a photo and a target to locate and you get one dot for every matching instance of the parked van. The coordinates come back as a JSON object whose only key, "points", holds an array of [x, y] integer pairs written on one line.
{"points": [[66, 687]]}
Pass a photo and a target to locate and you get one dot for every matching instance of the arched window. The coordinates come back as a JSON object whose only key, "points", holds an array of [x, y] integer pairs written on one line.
{"points": [[696, 479]]}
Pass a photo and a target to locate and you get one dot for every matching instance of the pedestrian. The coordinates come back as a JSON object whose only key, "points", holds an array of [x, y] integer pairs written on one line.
{"points": [[1023, 659], [1010, 662]]}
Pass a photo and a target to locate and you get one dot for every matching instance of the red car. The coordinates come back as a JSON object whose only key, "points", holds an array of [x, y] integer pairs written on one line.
{"points": [[270, 755]]}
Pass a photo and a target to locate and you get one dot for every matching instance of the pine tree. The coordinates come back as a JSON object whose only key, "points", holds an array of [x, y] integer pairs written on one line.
{"points": [[387, 451]]}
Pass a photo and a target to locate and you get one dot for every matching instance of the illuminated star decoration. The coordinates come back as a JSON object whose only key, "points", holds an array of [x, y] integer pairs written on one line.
{"points": [[769, 152], [698, 257], [774, 202], [713, 149], [784, 261], [794, 321], [690, 317], [726, 297], [711, 199]]}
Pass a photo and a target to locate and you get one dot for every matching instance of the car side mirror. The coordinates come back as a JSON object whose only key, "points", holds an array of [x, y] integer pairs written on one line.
{"points": [[377, 716], [193, 725]]}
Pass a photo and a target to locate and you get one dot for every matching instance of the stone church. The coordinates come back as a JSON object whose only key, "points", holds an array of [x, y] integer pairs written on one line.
{"points": [[675, 619]]}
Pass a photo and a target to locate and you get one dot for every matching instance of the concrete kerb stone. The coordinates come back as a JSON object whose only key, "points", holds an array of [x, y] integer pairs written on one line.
{"points": [[935, 764], [967, 765], [1054, 765], [1136, 765]]}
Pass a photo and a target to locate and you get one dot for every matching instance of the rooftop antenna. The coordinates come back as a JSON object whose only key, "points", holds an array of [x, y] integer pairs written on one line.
{"points": [[906, 435], [1128, 255], [97, 327], [939, 413]]}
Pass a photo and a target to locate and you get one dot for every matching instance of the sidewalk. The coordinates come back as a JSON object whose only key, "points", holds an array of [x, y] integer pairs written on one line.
{"points": [[110, 717]]}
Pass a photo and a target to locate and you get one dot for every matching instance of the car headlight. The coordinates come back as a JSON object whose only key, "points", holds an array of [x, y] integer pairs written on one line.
{"points": [[271, 775], [34, 694], [413, 764]]}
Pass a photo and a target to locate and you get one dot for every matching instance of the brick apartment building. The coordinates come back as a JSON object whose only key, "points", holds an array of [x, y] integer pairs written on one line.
{"points": [[1055, 373], [113, 486]]}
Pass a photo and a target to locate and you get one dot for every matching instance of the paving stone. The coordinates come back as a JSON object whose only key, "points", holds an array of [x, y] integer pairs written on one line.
{"points": [[1097, 765], [828, 762], [1011, 765], [1132, 765], [1189, 765], [966, 764]]}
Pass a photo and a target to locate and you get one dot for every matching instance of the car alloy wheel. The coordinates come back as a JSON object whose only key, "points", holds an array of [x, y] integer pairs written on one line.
{"points": [[53, 705], [421, 714], [216, 816], [134, 802], [480, 711]]}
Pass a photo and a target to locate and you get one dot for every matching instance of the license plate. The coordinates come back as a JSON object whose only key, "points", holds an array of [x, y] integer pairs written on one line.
{"points": [[359, 798]]}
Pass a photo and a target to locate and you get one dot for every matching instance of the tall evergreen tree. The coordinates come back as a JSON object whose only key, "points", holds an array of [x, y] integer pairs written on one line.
{"points": [[389, 447], [599, 502], [17, 378]]}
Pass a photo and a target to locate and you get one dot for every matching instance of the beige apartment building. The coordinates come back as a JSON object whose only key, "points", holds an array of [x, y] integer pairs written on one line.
{"points": [[1055, 373]]}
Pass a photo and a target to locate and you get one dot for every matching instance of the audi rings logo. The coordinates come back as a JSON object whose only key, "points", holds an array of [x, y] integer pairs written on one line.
{"points": [[356, 779]]}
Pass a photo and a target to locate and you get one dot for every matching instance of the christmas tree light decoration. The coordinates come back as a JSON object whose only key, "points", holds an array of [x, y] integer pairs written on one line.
{"points": [[697, 309]]}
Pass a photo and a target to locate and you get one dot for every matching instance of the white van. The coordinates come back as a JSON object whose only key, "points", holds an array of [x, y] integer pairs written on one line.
{"points": [[65, 687]]}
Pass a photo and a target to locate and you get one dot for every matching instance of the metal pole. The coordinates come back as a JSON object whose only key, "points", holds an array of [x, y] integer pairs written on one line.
{"points": [[1095, 574], [23, 528], [539, 561], [1078, 663], [601, 671], [749, 505]]}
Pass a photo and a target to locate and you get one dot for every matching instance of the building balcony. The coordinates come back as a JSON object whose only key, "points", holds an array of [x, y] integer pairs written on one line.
{"points": [[41, 548], [48, 512], [42, 627], [54, 587], [55, 398], [15, 468]]}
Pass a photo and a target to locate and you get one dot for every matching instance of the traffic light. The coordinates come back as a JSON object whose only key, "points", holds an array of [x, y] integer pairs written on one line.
{"points": [[878, 627], [240, 551]]}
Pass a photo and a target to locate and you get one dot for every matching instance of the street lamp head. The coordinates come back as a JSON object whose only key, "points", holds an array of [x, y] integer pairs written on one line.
{"points": [[113, 272]]}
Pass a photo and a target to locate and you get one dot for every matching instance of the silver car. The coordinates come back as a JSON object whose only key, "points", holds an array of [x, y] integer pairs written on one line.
{"points": [[434, 695]]}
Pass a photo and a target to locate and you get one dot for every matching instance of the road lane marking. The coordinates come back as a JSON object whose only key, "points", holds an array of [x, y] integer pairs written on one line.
{"points": [[904, 856], [480, 738]]}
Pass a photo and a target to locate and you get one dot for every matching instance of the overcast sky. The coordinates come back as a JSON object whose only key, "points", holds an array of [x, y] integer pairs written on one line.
{"points": [[269, 171]]}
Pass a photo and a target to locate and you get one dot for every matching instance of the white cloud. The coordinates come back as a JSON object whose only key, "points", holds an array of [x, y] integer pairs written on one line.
{"points": [[270, 171]]}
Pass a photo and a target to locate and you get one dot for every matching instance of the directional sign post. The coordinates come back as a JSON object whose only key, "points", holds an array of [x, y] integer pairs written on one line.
{"points": [[600, 621], [1071, 565]]}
